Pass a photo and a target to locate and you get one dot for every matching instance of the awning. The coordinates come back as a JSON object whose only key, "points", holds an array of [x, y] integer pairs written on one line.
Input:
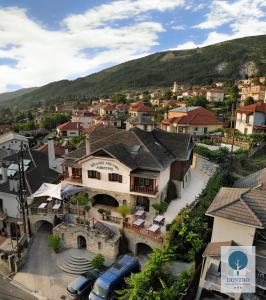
{"points": [[57, 191]]}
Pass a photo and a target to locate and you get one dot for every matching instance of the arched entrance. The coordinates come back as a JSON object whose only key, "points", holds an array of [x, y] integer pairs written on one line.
{"points": [[144, 202], [143, 249], [81, 242], [43, 226], [105, 200]]}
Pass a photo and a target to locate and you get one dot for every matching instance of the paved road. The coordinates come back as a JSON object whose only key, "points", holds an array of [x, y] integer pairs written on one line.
{"points": [[10, 292]]}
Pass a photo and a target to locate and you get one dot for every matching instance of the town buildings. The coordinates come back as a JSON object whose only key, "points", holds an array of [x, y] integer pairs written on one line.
{"points": [[37, 171], [239, 219], [215, 95], [142, 122], [257, 92], [13, 141], [251, 118], [139, 108], [69, 129], [195, 120], [85, 118]]}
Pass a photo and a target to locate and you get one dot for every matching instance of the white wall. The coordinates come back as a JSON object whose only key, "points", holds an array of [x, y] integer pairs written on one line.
{"points": [[164, 178], [226, 230], [106, 166], [14, 145], [10, 204]]}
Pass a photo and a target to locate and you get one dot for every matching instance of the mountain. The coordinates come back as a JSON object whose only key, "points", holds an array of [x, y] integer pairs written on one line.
{"points": [[227, 60], [10, 95]]}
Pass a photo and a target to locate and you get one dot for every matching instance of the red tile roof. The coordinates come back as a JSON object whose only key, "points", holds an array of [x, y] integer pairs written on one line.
{"points": [[141, 107], [198, 116], [216, 91], [69, 126], [249, 109], [59, 150]]}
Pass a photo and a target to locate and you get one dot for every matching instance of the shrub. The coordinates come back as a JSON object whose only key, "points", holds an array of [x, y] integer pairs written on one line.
{"points": [[98, 262], [54, 242], [160, 207]]}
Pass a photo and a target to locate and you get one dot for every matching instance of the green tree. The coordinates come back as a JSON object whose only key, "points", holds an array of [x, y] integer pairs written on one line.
{"points": [[160, 207], [118, 98], [124, 210], [98, 262], [248, 101], [198, 101], [54, 242]]}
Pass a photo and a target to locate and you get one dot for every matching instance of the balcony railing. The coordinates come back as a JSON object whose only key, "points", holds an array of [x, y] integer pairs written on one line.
{"points": [[157, 237], [144, 189], [77, 179], [46, 211]]}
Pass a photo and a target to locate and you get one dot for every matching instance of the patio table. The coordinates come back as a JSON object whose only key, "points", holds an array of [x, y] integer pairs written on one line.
{"points": [[154, 228], [138, 223], [159, 220], [140, 214]]}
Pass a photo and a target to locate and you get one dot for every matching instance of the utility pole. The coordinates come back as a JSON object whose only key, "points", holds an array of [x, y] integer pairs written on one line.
{"points": [[22, 197]]}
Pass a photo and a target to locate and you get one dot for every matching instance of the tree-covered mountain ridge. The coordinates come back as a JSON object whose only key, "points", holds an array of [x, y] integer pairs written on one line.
{"points": [[232, 59]]}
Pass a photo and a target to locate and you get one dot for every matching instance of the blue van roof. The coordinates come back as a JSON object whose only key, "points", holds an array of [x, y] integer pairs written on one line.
{"points": [[116, 270]]}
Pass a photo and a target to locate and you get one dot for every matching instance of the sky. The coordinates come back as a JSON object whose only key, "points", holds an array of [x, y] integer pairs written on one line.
{"points": [[49, 40]]}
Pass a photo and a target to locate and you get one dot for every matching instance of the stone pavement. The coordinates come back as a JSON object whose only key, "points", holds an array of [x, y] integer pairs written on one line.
{"points": [[40, 273], [196, 184]]}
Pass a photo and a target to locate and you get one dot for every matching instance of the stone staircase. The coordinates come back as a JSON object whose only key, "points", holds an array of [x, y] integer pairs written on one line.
{"points": [[75, 261]]}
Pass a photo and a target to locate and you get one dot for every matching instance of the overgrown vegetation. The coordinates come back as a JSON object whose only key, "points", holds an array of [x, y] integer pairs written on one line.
{"points": [[54, 242], [186, 238], [217, 156]]}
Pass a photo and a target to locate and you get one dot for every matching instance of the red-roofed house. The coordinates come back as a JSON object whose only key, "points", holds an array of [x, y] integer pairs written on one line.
{"points": [[139, 108], [251, 118], [69, 129], [215, 95], [194, 120], [108, 109], [85, 118]]}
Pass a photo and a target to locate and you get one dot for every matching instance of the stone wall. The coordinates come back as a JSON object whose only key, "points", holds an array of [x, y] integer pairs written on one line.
{"points": [[95, 241], [204, 165]]}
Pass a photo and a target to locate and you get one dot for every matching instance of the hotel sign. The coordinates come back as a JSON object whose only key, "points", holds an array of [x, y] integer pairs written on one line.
{"points": [[104, 166]]}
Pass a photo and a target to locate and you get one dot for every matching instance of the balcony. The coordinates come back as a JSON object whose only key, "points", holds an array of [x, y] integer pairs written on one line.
{"points": [[144, 189], [73, 178]]}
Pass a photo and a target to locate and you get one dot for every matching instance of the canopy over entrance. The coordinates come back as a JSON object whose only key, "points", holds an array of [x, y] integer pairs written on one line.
{"points": [[57, 191]]}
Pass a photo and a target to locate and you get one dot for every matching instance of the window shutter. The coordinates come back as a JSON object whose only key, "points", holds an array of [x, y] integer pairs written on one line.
{"points": [[89, 174], [120, 178], [98, 175], [109, 176]]}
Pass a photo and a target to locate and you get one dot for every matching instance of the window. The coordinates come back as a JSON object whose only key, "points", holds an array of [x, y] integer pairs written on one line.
{"points": [[139, 181], [195, 128], [94, 174], [145, 127], [115, 177], [205, 129], [99, 245]]}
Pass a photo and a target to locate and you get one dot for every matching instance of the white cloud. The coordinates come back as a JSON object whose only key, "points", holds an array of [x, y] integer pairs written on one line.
{"points": [[85, 42], [223, 12], [244, 18], [178, 27]]}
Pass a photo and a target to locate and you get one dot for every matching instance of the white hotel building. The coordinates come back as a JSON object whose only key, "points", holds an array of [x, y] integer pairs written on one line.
{"points": [[130, 167]]}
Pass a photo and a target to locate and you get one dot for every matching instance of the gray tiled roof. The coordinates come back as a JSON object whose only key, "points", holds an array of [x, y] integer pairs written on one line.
{"points": [[137, 148], [141, 120], [253, 180], [240, 205], [37, 173], [214, 249]]}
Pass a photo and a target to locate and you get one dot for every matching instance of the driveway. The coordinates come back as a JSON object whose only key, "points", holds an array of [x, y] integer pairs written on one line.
{"points": [[40, 273]]}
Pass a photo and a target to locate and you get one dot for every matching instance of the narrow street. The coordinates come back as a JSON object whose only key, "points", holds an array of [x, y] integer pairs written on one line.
{"points": [[40, 273], [10, 292]]}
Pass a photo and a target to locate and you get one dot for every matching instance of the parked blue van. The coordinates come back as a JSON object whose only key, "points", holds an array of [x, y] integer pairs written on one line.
{"points": [[113, 279]]}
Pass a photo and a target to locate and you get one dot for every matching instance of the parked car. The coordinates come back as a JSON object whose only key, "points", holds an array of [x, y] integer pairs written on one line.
{"points": [[113, 279], [82, 285]]}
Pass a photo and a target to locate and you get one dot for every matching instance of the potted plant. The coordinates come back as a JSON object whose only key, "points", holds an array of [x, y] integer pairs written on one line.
{"points": [[98, 262]]}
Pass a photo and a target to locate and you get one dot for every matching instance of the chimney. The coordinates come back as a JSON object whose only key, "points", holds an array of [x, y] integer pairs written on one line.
{"points": [[88, 146], [4, 173], [51, 152]]}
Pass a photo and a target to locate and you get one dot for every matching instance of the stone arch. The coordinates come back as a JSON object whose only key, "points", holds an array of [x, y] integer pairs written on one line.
{"points": [[43, 223], [143, 249], [105, 199], [81, 242]]}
